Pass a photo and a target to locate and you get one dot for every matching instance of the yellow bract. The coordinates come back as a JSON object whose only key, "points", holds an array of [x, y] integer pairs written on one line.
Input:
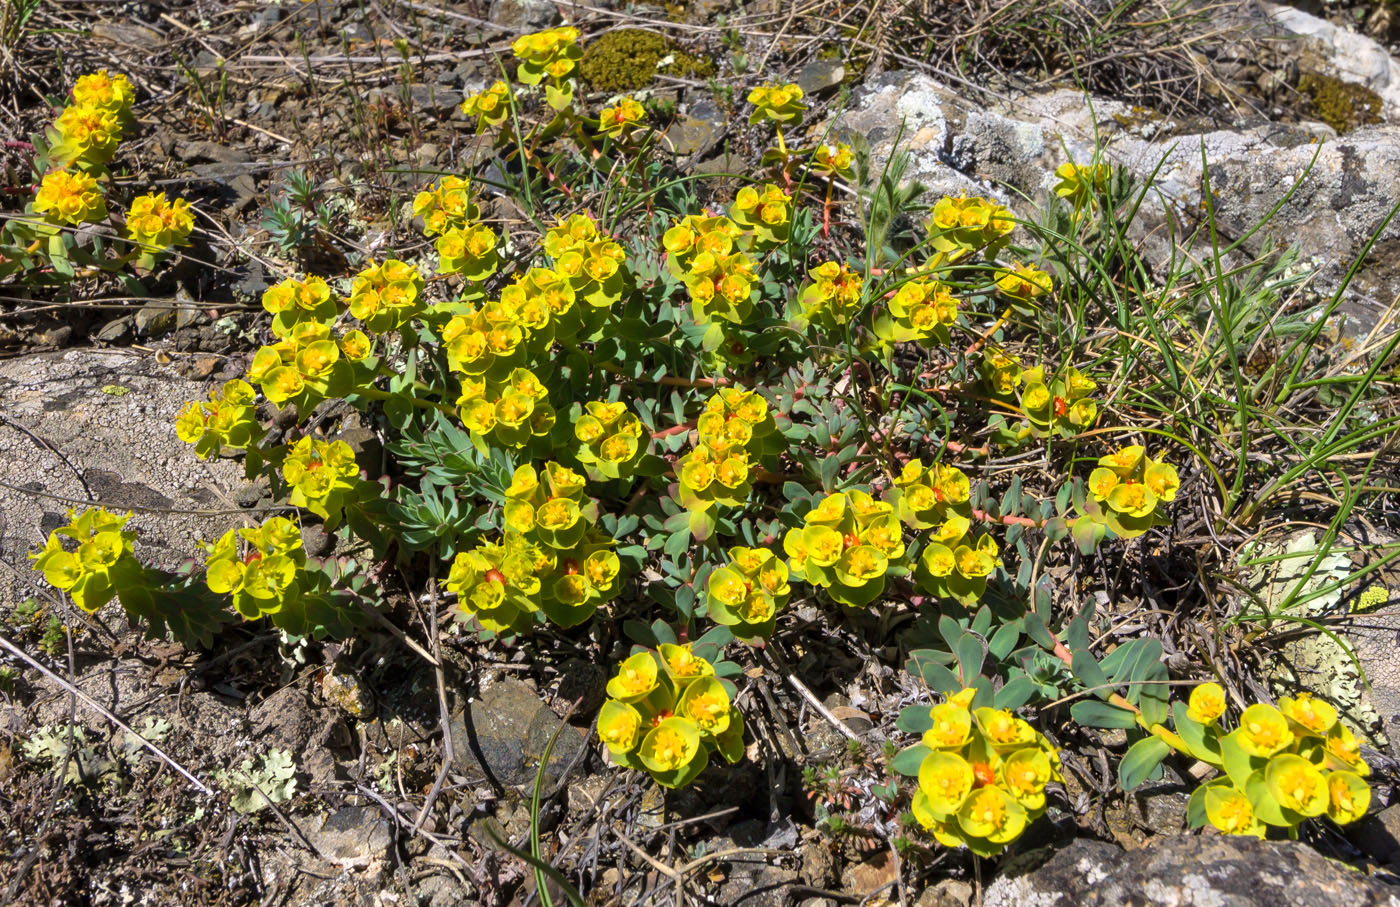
{"points": [[69, 198], [1207, 703], [153, 222]]}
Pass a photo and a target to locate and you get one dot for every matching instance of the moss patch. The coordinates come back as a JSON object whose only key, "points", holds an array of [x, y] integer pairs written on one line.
{"points": [[629, 59], [1342, 105]]}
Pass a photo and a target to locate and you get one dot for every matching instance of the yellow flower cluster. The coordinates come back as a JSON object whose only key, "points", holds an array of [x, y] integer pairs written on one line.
{"points": [[511, 410], [705, 253], [953, 565], [102, 565], [469, 251], [103, 91], [69, 198], [961, 226], [747, 592], [1023, 284], [736, 419], [156, 224], [444, 205], [1077, 184], [490, 106], [1131, 489], [229, 418], [621, 120], [308, 365], [323, 476], [552, 560], [984, 776], [554, 53], [833, 160], [87, 137], [666, 712], [387, 296], [1001, 371], [780, 103], [708, 477], [846, 545], [1061, 405], [1281, 764], [293, 301], [926, 496], [765, 211], [833, 296], [261, 574], [610, 439], [592, 262], [922, 311]]}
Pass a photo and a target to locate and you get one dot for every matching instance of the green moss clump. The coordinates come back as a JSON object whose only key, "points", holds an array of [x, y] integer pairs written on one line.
{"points": [[1342, 105], [627, 60]]}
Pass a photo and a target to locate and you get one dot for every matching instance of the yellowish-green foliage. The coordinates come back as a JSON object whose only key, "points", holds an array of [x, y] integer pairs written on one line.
{"points": [[983, 775], [101, 563], [666, 713], [846, 544], [257, 567]]}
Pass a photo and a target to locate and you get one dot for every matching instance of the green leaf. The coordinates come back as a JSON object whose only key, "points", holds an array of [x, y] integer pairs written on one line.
{"points": [[1266, 808], [1140, 761], [1238, 764], [1087, 671], [1035, 628], [677, 543], [971, 652], [914, 719], [1004, 640], [1087, 534], [908, 760], [1102, 715], [1196, 808], [1077, 634], [1201, 740], [1016, 692], [702, 524]]}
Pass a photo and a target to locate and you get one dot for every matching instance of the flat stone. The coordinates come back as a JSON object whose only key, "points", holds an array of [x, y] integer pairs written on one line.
{"points": [[117, 330], [524, 15], [155, 318], [502, 735], [1191, 871], [355, 837], [820, 75]]}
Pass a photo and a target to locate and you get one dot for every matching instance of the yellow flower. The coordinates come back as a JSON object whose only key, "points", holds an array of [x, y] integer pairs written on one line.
{"points": [[951, 728], [104, 91], [69, 198], [1023, 283], [620, 120], [1348, 797], [635, 678], [1296, 784], [88, 135], [1263, 731], [1025, 773], [991, 814], [945, 779], [1343, 746], [1207, 703], [1313, 715], [1230, 811], [779, 103], [153, 221], [1132, 498], [1003, 729], [619, 726], [834, 159], [671, 745], [706, 704]]}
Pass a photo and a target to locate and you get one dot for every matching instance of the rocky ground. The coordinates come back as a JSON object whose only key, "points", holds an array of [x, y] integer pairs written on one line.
{"points": [[363, 96]]}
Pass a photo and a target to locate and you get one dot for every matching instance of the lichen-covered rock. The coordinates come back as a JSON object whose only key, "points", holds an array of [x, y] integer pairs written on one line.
{"points": [[1194, 871], [1345, 185], [100, 425]]}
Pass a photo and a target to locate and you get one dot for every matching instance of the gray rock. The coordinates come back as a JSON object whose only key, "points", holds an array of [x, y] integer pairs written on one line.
{"points": [[1352, 57], [117, 330], [356, 837], [502, 735], [120, 448], [946, 893], [155, 318], [1197, 871], [1379, 835], [212, 152], [524, 15], [697, 131], [954, 147], [367, 447], [820, 75]]}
